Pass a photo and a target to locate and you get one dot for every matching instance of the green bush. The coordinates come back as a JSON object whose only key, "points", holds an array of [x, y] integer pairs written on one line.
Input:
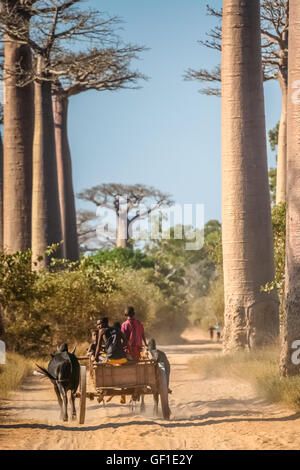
{"points": [[123, 258], [46, 308], [208, 310], [41, 309]]}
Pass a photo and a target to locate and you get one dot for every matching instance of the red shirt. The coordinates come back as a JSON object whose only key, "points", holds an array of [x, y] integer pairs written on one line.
{"points": [[133, 331]]}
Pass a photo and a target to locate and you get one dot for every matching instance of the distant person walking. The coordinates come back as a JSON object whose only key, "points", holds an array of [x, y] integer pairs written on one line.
{"points": [[133, 331], [218, 331], [211, 330]]}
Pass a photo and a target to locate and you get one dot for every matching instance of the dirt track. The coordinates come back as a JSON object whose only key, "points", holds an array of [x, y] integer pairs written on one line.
{"points": [[207, 414]]}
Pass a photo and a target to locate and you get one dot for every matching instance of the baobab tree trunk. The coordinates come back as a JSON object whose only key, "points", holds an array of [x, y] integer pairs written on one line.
{"points": [[291, 316], [1, 194], [17, 158], [46, 223], [251, 317], [65, 180], [2, 328], [282, 147], [282, 136], [122, 230]]}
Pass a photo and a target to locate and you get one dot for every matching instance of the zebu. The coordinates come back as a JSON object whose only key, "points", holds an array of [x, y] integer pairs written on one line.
{"points": [[64, 372]]}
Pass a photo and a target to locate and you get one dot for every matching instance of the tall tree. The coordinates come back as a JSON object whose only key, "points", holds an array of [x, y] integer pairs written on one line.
{"points": [[18, 127], [97, 69], [46, 223], [282, 41], [1, 180], [291, 317], [274, 31], [42, 212], [125, 201], [54, 23], [251, 317]]}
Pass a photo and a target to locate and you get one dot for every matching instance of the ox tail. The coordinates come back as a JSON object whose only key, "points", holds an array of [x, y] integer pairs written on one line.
{"points": [[46, 373]]}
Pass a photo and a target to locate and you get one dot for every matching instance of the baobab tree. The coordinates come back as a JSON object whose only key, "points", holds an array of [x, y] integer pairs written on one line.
{"points": [[18, 126], [291, 316], [97, 69], [54, 23], [23, 194], [274, 31], [251, 316], [61, 22], [1, 181], [125, 201]]}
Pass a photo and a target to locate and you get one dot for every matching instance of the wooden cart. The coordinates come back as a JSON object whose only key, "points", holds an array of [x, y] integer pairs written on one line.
{"points": [[145, 377]]}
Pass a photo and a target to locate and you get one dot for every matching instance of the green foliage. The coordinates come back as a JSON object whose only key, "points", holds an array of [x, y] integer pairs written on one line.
{"points": [[187, 271], [273, 141], [165, 284], [272, 184], [279, 235], [123, 258], [16, 278], [45, 308], [213, 241], [208, 310], [190, 280], [273, 137]]}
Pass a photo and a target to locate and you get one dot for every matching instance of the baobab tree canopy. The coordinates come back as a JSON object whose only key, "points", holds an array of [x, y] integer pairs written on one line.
{"points": [[125, 201], [274, 24], [274, 33]]}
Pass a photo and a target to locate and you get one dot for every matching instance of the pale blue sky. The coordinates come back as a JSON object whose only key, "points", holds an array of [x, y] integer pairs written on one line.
{"points": [[166, 134]]}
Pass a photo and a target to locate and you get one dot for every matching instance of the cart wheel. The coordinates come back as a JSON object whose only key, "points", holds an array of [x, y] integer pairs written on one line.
{"points": [[82, 402], [163, 392]]}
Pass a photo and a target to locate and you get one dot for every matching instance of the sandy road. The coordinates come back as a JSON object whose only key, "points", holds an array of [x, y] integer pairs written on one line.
{"points": [[206, 414]]}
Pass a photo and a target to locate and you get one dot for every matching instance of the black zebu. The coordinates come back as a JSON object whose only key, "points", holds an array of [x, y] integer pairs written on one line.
{"points": [[64, 372]]}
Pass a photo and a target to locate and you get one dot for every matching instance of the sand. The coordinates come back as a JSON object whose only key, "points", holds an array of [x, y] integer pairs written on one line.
{"points": [[212, 413]]}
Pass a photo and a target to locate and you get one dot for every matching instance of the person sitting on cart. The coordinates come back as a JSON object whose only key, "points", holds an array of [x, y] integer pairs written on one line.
{"points": [[111, 345], [102, 326], [133, 331], [91, 352], [115, 343]]}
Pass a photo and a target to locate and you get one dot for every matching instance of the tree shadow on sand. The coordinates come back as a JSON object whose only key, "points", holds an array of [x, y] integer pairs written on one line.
{"points": [[197, 421]]}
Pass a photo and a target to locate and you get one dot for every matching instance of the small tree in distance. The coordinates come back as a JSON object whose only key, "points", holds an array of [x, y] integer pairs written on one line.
{"points": [[124, 201]]}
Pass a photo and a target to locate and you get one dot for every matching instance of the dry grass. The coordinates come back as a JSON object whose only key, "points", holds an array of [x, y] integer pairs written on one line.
{"points": [[13, 372], [260, 368]]}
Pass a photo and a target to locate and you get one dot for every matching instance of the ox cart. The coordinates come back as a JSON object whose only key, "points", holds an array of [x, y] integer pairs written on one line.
{"points": [[134, 379]]}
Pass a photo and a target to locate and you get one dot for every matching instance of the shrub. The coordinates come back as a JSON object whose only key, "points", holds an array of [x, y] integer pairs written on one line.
{"points": [[208, 310], [46, 308]]}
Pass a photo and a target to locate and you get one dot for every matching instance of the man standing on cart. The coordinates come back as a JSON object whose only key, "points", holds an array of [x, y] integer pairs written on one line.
{"points": [[133, 331]]}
